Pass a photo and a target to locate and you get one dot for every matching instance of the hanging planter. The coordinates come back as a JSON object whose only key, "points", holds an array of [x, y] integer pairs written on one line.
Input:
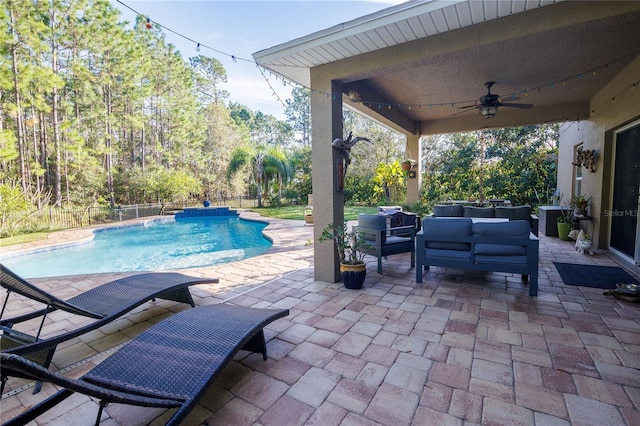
{"points": [[408, 164]]}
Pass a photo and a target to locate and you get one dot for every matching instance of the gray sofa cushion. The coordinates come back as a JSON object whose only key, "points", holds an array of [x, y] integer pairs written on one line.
{"points": [[515, 228], [448, 227], [471, 211], [514, 213], [448, 211]]}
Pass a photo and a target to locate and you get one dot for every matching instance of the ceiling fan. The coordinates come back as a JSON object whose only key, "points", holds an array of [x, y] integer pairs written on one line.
{"points": [[490, 102]]}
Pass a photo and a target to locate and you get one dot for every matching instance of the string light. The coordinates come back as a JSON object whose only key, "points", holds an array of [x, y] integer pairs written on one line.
{"points": [[150, 24]]}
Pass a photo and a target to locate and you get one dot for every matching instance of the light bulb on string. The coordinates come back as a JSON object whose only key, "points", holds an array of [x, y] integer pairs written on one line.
{"points": [[148, 24], [198, 47]]}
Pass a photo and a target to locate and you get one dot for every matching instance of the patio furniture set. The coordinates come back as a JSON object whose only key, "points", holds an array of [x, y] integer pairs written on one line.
{"points": [[169, 365], [497, 239]]}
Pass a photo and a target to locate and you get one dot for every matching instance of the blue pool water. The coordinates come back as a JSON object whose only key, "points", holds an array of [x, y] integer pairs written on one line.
{"points": [[156, 246]]}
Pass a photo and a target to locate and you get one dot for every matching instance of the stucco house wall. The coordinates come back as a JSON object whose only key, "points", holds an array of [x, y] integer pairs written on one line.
{"points": [[615, 106]]}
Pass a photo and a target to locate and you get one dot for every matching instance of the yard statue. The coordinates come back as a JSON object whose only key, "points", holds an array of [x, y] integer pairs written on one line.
{"points": [[583, 243], [344, 147]]}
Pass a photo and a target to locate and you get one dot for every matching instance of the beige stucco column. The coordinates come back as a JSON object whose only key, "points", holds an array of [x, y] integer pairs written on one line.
{"points": [[414, 184], [328, 204]]}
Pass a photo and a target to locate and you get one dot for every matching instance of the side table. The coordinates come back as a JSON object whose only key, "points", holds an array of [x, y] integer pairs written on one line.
{"points": [[548, 219]]}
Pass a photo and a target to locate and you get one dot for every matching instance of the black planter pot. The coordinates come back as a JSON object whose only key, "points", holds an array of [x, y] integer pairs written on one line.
{"points": [[353, 275]]}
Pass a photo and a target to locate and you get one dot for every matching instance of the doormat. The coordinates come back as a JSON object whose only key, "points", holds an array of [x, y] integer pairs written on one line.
{"points": [[593, 276]]}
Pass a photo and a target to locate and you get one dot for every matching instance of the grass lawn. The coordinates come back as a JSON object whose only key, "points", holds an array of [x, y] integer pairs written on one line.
{"points": [[297, 212], [23, 238]]}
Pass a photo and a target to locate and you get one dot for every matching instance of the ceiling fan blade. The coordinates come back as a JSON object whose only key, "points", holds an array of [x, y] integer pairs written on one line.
{"points": [[468, 106], [521, 106]]}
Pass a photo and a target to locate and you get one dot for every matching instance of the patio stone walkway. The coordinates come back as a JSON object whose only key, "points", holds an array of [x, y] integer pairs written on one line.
{"points": [[459, 349]]}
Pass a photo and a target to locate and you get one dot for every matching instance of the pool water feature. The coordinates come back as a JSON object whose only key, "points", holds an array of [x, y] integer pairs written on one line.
{"points": [[156, 245]]}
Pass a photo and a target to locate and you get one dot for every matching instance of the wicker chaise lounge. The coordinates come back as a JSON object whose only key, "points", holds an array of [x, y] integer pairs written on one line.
{"points": [[169, 365], [104, 304]]}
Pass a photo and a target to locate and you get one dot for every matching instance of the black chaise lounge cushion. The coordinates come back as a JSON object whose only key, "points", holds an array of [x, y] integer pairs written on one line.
{"points": [[169, 365], [104, 304]]}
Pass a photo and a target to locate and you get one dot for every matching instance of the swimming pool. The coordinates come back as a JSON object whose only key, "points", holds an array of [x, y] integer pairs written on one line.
{"points": [[156, 245]]}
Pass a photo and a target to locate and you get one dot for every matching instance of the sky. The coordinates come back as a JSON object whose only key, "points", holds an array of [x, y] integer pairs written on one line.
{"points": [[240, 28]]}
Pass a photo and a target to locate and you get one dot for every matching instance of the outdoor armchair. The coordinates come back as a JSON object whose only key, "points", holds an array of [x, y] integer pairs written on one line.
{"points": [[384, 240]]}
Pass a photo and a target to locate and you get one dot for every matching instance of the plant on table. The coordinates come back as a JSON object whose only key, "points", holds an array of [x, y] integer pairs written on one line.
{"points": [[579, 204]]}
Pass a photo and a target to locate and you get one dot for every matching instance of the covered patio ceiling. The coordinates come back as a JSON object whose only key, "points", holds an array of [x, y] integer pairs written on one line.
{"points": [[413, 66]]}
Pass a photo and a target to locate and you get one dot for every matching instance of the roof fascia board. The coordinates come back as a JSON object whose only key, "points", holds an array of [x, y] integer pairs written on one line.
{"points": [[357, 26]]}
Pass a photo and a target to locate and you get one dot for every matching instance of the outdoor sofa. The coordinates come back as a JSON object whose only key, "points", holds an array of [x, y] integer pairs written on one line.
{"points": [[459, 243], [170, 365]]}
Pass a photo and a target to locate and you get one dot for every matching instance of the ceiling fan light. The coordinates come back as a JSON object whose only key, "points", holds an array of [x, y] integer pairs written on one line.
{"points": [[488, 111]]}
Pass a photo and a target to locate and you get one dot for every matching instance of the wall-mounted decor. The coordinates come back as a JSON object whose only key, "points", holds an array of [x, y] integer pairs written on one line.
{"points": [[586, 158], [344, 148]]}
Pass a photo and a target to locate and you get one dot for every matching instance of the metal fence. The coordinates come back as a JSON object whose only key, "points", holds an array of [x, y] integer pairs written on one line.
{"points": [[54, 218], [64, 218]]}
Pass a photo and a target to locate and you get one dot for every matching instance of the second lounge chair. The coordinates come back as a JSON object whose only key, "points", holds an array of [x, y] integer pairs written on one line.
{"points": [[104, 304], [169, 365]]}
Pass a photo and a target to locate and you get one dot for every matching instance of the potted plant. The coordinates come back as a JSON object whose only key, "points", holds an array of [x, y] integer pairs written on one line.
{"points": [[408, 164], [579, 204], [350, 246], [564, 223]]}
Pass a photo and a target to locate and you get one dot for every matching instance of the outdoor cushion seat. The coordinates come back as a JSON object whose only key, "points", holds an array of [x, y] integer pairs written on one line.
{"points": [[516, 228], [456, 227], [514, 212], [455, 210], [103, 304], [472, 211], [170, 365]]}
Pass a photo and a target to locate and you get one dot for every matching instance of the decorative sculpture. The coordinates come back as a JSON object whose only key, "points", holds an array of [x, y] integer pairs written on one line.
{"points": [[344, 148]]}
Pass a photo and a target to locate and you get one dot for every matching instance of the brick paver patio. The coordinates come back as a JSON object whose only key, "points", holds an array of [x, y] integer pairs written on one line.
{"points": [[460, 349]]}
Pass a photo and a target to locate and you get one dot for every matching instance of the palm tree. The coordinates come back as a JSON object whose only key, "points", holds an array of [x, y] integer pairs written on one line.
{"points": [[266, 164]]}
